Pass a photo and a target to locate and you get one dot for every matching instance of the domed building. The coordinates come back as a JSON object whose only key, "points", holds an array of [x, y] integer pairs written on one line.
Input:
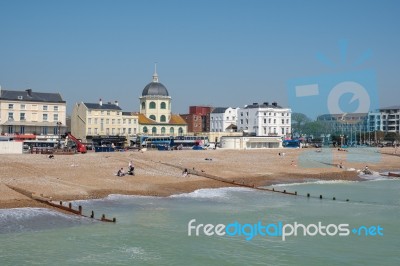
{"points": [[155, 117]]}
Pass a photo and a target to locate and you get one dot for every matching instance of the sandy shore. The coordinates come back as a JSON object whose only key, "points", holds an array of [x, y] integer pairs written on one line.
{"points": [[158, 173]]}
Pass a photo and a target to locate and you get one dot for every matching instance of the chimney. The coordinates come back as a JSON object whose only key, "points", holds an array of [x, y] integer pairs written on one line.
{"points": [[275, 104], [100, 102], [116, 103], [266, 103], [29, 91], [255, 103]]}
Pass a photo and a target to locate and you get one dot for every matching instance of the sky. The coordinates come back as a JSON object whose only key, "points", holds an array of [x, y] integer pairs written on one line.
{"points": [[218, 53]]}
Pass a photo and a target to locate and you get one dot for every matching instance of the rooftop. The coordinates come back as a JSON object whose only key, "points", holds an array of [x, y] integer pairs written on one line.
{"points": [[31, 96]]}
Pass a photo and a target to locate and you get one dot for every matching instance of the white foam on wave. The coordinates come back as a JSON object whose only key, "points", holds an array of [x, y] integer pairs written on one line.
{"points": [[317, 182], [210, 193], [27, 213]]}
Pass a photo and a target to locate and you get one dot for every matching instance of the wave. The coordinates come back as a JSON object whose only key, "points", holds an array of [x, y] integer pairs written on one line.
{"points": [[209, 193], [34, 219], [318, 182]]}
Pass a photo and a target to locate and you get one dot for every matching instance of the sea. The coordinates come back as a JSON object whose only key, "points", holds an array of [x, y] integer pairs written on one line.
{"points": [[360, 227]]}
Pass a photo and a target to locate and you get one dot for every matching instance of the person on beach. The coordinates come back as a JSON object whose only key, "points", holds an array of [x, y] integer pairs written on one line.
{"points": [[185, 172], [340, 165], [120, 172], [131, 168], [293, 164]]}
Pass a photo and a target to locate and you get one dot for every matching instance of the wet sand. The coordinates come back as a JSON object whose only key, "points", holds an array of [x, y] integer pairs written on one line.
{"points": [[159, 173]]}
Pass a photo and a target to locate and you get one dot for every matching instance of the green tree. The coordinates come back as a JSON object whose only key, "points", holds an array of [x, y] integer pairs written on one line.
{"points": [[392, 136], [298, 122]]}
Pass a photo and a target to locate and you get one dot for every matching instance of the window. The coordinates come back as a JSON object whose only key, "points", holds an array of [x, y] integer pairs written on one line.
{"points": [[95, 121], [241, 121], [163, 105], [102, 112], [108, 112], [171, 131], [45, 107], [163, 130], [55, 117], [274, 114], [265, 120], [107, 121], [283, 121], [10, 129], [44, 130], [154, 130], [90, 112], [180, 131], [44, 117], [22, 106], [143, 105], [129, 131], [283, 131], [153, 117], [10, 106], [287, 121], [145, 130], [22, 116], [119, 121], [152, 105], [89, 121], [162, 118], [56, 108], [22, 130], [113, 131], [124, 121], [241, 113], [274, 121], [89, 131], [95, 131], [113, 121], [107, 131]]}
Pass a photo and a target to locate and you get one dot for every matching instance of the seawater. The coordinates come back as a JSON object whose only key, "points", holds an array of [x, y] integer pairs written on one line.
{"points": [[154, 230]]}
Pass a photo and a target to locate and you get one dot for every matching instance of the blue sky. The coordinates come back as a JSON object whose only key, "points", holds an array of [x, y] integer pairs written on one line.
{"points": [[218, 53]]}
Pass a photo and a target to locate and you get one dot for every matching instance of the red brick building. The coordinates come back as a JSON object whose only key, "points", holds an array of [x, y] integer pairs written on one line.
{"points": [[198, 119]]}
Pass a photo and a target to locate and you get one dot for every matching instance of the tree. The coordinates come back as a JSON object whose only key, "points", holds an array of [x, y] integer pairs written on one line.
{"points": [[298, 122], [392, 136]]}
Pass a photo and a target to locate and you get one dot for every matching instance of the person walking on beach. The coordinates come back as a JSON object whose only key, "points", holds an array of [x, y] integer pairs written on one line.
{"points": [[185, 172]]}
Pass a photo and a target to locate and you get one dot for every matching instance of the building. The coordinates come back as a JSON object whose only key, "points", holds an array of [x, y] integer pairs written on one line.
{"points": [[155, 116], [345, 124], [29, 112], [244, 143], [103, 122], [223, 119], [198, 119], [265, 120], [385, 119]]}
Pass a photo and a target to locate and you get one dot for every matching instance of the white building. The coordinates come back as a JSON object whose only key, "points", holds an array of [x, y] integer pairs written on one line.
{"points": [[244, 143], [385, 119], [29, 112], [223, 119], [265, 120]]}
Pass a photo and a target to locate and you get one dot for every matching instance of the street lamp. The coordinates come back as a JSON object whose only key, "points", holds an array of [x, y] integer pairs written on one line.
{"points": [[341, 140], [59, 133]]}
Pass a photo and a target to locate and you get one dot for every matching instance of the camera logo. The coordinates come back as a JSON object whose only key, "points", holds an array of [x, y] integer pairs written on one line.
{"points": [[336, 104]]}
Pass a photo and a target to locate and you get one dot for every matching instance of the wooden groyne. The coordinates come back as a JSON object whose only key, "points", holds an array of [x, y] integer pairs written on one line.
{"points": [[59, 205], [253, 186]]}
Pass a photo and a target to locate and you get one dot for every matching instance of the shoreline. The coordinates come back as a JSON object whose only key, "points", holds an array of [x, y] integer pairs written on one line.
{"points": [[90, 176]]}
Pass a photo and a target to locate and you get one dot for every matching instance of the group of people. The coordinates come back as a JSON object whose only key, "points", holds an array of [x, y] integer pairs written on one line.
{"points": [[131, 170]]}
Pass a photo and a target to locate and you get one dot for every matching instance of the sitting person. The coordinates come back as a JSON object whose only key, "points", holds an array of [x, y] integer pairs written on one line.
{"points": [[120, 172], [185, 172], [131, 170]]}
